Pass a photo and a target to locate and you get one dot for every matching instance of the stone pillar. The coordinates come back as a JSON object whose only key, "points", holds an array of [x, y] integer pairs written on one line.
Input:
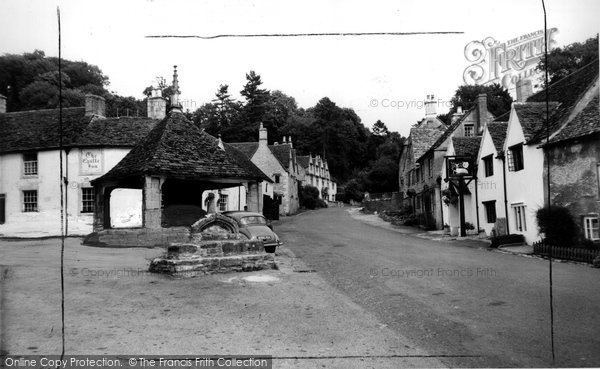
{"points": [[152, 200], [254, 199], [212, 206], [99, 208]]}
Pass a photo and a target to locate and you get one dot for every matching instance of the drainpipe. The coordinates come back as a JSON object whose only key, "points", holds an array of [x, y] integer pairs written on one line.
{"points": [[477, 203], [66, 182], [503, 158], [441, 206]]}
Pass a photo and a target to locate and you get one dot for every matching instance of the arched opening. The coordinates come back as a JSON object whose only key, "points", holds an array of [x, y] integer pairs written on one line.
{"points": [[126, 208]]}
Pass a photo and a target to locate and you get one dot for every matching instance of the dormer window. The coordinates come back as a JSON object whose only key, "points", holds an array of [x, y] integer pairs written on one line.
{"points": [[30, 164], [468, 130]]}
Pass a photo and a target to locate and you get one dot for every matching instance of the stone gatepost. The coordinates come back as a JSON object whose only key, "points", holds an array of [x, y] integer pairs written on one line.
{"points": [[151, 202], [212, 206], [254, 199], [99, 208]]}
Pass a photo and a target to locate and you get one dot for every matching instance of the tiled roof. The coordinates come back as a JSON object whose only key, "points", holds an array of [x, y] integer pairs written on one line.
{"points": [[123, 131], [498, 132], [587, 122], [244, 161], [422, 139], [466, 146], [282, 152], [303, 160], [248, 148], [567, 91], [39, 130], [179, 149], [445, 134], [532, 116], [503, 117]]}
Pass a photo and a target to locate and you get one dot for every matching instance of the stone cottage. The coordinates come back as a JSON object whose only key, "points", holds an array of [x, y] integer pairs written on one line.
{"points": [[573, 153], [279, 163], [92, 144]]}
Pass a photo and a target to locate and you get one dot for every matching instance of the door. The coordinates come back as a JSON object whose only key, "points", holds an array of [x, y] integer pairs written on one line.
{"points": [[270, 208], [2, 208]]}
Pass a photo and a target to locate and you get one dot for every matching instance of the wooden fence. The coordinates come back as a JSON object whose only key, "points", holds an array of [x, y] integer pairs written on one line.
{"points": [[567, 253]]}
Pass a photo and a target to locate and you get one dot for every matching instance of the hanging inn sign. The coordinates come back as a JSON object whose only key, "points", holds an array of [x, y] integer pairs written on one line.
{"points": [[506, 63], [460, 172]]}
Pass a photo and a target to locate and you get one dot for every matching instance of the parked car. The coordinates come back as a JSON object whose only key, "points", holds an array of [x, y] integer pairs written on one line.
{"points": [[256, 227]]}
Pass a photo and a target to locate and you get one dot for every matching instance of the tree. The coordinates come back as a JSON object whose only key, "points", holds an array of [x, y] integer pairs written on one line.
{"points": [[31, 81], [256, 98], [498, 100], [566, 60], [380, 129]]}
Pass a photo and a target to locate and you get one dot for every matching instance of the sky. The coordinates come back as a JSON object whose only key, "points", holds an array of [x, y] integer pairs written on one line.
{"points": [[380, 77]]}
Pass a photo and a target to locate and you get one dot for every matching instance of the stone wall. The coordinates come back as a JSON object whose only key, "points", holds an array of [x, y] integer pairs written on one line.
{"points": [[138, 237], [574, 177]]}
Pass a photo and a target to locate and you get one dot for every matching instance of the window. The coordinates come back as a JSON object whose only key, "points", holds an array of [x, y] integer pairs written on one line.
{"points": [[222, 202], [520, 222], [87, 199], [468, 130], [30, 201], [590, 226], [490, 211], [515, 158], [277, 178], [30, 164], [488, 164]]}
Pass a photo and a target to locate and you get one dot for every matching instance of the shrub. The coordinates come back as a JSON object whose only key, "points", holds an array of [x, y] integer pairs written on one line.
{"points": [[469, 226], [411, 220], [309, 197], [507, 239], [558, 225], [588, 244]]}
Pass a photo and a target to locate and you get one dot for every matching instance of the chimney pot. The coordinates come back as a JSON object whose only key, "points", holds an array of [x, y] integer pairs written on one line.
{"points": [[157, 107], [482, 115], [95, 105], [430, 111], [262, 135], [2, 104]]}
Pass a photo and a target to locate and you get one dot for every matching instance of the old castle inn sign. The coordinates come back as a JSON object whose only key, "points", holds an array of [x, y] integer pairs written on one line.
{"points": [[505, 63], [91, 161]]}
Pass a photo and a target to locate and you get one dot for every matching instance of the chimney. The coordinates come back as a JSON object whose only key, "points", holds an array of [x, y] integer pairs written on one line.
{"points": [[482, 114], [290, 141], [430, 107], [157, 106], [2, 104], [262, 136], [95, 105], [524, 90]]}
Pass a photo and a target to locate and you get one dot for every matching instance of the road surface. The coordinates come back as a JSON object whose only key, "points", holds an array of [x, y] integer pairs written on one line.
{"points": [[469, 306]]}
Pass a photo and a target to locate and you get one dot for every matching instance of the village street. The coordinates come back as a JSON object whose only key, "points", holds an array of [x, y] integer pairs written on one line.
{"points": [[452, 299], [346, 294]]}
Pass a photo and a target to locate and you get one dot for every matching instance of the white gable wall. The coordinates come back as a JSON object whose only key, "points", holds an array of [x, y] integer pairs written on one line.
{"points": [[489, 188], [526, 186], [46, 221]]}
